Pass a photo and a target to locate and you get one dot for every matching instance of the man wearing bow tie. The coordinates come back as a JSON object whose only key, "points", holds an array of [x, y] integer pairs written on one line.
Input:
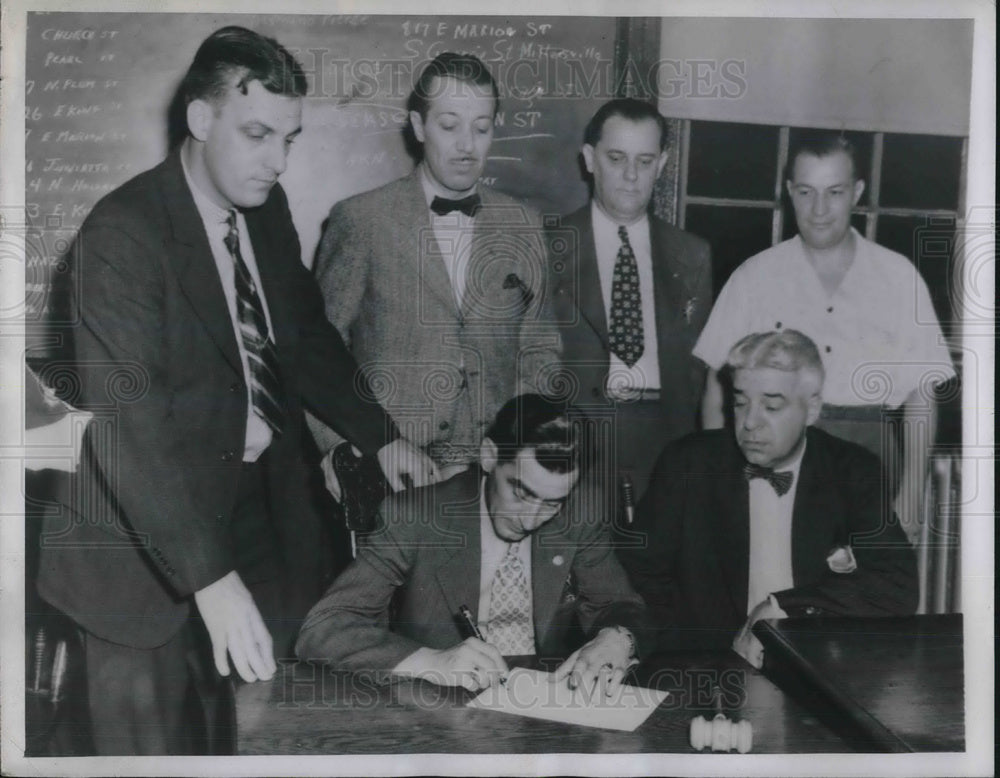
{"points": [[497, 543], [778, 518], [435, 281], [632, 293]]}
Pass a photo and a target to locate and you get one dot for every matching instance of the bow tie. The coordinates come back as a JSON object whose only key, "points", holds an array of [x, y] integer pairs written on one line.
{"points": [[467, 205], [781, 482]]}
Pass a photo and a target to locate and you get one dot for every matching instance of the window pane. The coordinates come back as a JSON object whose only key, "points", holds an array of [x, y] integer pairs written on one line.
{"points": [[929, 244], [736, 234], [862, 142], [732, 160], [921, 171]]}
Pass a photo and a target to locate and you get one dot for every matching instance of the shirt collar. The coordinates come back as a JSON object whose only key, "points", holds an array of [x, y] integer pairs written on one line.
{"points": [[210, 212], [432, 189], [599, 217]]}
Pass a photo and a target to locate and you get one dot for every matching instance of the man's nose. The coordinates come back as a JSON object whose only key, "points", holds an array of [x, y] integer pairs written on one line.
{"points": [[631, 170], [820, 205], [277, 157], [751, 419], [464, 141]]}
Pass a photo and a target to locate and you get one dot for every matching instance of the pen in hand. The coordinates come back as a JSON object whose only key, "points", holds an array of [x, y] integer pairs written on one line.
{"points": [[470, 622]]}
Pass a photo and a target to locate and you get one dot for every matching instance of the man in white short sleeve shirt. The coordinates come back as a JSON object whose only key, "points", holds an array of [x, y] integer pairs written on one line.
{"points": [[866, 308]]}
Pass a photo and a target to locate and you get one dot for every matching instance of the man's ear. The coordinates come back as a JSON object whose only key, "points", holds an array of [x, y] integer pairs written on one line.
{"points": [[814, 406], [200, 115], [859, 188], [417, 122], [489, 454], [588, 157], [661, 162]]}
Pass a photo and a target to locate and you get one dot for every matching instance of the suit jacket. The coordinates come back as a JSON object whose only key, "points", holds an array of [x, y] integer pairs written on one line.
{"points": [[693, 569], [441, 371], [145, 522], [682, 283], [426, 553]]}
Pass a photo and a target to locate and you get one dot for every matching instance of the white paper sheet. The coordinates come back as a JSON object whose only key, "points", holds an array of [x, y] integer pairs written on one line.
{"points": [[533, 693]]}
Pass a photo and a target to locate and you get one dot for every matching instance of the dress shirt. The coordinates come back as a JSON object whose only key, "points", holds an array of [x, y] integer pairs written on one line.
{"points": [[771, 535], [258, 434], [493, 550], [453, 232], [645, 373]]}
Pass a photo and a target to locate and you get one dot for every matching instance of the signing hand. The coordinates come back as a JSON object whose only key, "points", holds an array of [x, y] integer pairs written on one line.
{"points": [[472, 664], [604, 660], [236, 627], [401, 458], [746, 643]]}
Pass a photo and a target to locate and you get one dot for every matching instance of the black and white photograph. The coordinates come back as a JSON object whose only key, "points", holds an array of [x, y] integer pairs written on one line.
{"points": [[401, 389]]}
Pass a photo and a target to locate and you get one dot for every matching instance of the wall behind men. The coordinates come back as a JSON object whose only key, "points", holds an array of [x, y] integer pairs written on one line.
{"points": [[99, 86], [889, 75]]}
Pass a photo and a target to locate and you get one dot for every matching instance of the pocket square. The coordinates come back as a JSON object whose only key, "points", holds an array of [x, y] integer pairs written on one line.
{"points": [[841, 560]]}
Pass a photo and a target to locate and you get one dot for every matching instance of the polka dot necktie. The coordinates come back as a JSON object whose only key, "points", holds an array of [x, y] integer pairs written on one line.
{"points": [[625, 335], [265, 388], [509, 626]]}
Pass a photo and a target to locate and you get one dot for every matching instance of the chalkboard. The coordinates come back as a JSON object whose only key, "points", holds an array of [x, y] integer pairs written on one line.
{"points": [[99, 87]]}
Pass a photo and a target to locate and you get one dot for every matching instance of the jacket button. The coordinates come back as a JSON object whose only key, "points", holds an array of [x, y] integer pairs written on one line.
{"points": [[443, 425], [219, 517], [227, 456], [234, 388]]}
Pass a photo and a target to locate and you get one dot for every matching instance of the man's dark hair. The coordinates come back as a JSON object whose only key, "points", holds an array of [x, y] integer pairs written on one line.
{"points": [[547, 426], [822, 144], [627, 108], [244, 55], [461, 67]]}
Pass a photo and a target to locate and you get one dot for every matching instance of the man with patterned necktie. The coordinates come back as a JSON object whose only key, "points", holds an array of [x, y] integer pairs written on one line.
{"points": [[631, 294], [777, 519], [500, 542], [186, 534], [435, 281]]}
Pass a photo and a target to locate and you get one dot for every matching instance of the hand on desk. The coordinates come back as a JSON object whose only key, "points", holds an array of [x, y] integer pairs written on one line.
{"points": [[235, 626], [746, 643], [472, 664], [604, 660]]}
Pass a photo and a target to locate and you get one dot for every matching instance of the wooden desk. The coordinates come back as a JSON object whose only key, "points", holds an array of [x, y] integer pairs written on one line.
{"points": [[310, 710], [892, 685]]}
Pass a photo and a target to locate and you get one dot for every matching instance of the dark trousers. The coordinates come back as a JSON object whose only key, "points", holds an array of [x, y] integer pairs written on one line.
{"points": [[171, 699]]}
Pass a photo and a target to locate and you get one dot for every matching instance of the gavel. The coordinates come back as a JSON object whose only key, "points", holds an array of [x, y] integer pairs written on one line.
{"points": [[720, 733]]}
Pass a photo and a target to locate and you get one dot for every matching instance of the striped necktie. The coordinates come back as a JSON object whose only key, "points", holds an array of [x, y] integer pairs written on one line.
{"points": [[265, 386], [625, 335]]}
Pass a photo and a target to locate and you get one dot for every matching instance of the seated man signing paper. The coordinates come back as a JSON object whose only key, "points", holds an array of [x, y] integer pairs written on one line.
{"points": [[500, 543], [780, 519]]}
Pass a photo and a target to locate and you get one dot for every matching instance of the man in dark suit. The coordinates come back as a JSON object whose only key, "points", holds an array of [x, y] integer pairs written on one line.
{"points": [[200, 336], [501, 542], [783, 519], [631, 293], [435, 281]]}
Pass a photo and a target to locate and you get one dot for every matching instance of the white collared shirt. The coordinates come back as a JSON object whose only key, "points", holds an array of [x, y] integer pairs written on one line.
{"points": [[492, 551], [645, 373], [453, 233], [258, 434], [771, 535]]}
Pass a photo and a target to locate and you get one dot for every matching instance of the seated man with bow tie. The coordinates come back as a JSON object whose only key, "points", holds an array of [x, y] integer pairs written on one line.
{"points": [[774, 518], [476, 569]]}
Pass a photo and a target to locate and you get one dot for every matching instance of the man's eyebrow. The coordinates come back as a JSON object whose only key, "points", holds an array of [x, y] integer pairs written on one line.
{"points": [[294, 133], [519, 484], [774, 395]]}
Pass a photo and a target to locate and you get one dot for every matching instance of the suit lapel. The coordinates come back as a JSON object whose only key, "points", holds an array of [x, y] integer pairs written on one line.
{"points": [[460, 567], [551, 560], [193, 262], [417, 240], [811, 514], [733, 512], [270, 276], [589, 299]]}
